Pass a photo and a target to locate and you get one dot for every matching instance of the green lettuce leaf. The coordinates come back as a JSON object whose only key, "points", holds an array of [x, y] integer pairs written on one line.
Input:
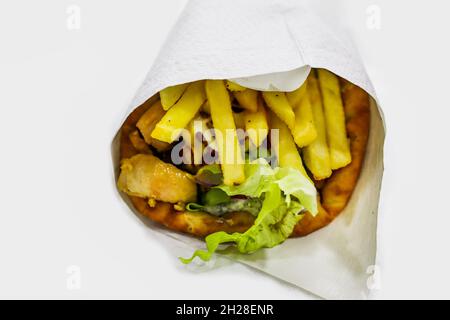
{"points": [[285, 193], [293, 182], [258, 175]]}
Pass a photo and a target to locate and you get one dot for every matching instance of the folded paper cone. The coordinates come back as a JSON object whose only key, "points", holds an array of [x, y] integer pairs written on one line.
{"points": [[270, 45]]}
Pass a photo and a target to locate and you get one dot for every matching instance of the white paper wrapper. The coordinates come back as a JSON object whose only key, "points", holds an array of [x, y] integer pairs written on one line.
{"points": [[272, 45]]}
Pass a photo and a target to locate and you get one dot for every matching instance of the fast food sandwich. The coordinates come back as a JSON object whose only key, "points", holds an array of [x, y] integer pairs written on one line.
{"points": [[249, 168]]}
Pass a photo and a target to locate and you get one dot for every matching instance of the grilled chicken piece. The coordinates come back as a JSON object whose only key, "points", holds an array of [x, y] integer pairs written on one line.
{"points": [[146, 176], [147, 123]]}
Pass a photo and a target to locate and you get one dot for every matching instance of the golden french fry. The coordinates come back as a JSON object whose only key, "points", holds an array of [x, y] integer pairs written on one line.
{"points": [[279, 104], [294, 97], [233, 86], [170, 95], [222, 116], [197, 127], [256, 124], [285, 148], [304, 131], [317, 155], [340, 155], [247, 99], [178, 116]]}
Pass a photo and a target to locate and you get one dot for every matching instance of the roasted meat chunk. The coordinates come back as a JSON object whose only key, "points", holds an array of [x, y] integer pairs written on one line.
{"points": [[146, 176]]}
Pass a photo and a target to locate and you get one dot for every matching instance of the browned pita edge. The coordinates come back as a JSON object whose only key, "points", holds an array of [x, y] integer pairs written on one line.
{"points": [[334, 192], [337, 189]]}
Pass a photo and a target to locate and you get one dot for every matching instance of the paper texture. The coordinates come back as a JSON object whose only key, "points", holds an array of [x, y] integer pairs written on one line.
{"points": [[268, 45]]}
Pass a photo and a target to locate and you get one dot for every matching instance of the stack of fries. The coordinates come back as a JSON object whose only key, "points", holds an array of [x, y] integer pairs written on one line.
{"points": [[310, 121]]}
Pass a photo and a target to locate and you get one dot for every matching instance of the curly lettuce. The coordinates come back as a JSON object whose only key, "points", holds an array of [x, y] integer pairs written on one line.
{"points": [[285, 194]]}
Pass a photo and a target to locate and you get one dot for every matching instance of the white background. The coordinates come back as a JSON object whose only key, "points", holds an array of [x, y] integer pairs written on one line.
{"points": [[63, 93]]}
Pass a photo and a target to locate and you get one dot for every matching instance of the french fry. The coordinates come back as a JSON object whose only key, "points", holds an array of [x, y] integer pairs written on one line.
{"points": [[178, 116], [294, 97], [233, 86], [227, 140], [285, 148], [317, 155], [256, 124], [334, 120], [147, 122], [197, 127], [304, 131], [247, 99], [170, 95], [279, 104]]}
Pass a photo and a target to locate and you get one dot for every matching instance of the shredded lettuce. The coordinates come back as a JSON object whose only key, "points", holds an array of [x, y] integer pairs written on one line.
{"points": [[285, 193]]}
